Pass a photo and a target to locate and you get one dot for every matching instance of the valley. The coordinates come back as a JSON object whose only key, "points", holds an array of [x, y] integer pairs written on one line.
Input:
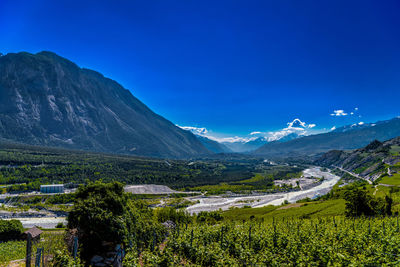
{"points": [[261, 200], [83, 159]]}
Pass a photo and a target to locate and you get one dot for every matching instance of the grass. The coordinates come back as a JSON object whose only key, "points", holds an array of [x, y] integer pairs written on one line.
{"points": [[15, 250], [395, 150], [245, 213], [12, 250], [391, 180], [312, 209]]}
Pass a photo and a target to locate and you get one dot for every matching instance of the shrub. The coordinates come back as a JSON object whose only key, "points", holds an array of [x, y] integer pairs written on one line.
{"points": [[10, 230], [172, 214], [360, 203], [105, 216], [60, 225]]}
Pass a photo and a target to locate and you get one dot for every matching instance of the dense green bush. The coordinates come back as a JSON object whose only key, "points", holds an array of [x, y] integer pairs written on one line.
{"points": [[360, 203], [10, 230], [172, 214], [63, 259], [210, 217], [104, 214]]}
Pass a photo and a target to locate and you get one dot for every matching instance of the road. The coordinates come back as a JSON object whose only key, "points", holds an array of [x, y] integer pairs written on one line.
{"points": [[217, 202], [353, 174]]}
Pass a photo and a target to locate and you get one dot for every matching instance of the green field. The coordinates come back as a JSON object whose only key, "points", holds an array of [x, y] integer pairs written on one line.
{"points": [[395, 150], [391, 180], [16, 250], [301, 210], [263, 182]]}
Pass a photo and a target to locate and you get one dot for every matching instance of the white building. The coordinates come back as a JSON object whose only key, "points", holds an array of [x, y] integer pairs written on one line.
{"points": [[52, 188]]}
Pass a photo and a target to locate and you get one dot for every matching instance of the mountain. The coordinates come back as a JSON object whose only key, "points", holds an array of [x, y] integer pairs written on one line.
{"points": [[48, 100], [213, 146], [245, 146], [370, 162], [343, 138]]}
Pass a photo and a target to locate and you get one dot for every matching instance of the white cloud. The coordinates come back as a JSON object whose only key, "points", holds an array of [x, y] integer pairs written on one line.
{"points": [[290, 124], [333, 128], [338, 113], [352, 113], [355, 109], [361, 123], [296, 126], [195, 130]]}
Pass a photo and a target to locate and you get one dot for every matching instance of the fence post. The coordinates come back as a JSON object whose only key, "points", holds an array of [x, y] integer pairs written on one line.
{"points": [[38, 256], [28, 250], [249, 236], [222, 235], [75, 247], [154, 240], [191, 238]]}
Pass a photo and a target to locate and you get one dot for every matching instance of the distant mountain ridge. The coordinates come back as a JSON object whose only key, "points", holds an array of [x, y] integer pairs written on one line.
{"points": [[369, 162], [341, 139], [245, 146], [213, 146], [48, 100]]}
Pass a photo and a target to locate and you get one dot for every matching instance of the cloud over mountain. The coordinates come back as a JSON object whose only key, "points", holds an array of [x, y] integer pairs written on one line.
{"points": [[294, 129]]}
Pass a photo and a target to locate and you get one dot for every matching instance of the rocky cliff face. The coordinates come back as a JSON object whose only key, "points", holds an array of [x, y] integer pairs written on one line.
{"points": [[369, 162], [48, 100]]}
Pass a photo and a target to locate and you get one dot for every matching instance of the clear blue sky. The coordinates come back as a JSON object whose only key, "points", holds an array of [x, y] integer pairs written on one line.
{"points": [[231, 66]]}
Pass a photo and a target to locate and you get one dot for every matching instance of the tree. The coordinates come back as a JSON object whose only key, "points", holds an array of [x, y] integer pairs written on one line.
{"points": [[388, 205], [101, 213], [104, 214], [358, 203], [10, 230]]}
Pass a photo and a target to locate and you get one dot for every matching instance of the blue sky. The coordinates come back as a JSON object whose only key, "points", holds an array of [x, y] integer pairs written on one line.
{"points": [[233, 67]]}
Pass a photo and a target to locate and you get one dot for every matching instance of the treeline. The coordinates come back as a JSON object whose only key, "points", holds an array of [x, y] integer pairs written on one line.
{"points": [[32, 166]]}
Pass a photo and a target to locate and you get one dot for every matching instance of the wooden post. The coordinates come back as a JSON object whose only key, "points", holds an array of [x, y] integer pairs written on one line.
{"points": [[191, 238], [38, 256], [222, 235], [154, 240], [28, 250], [76, 247], [43, 257], [249, 236]]}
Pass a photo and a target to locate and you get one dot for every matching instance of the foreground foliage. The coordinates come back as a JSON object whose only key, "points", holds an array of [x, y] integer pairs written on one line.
{"points": [[104, 214], [293, 242], [10, 230]]}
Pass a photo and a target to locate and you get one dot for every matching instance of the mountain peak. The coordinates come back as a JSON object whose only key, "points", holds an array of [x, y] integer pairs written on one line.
{"points": [[46, 99]]}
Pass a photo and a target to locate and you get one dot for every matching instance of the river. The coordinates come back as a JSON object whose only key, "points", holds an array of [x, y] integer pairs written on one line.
{"points": [[217, 202]]}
